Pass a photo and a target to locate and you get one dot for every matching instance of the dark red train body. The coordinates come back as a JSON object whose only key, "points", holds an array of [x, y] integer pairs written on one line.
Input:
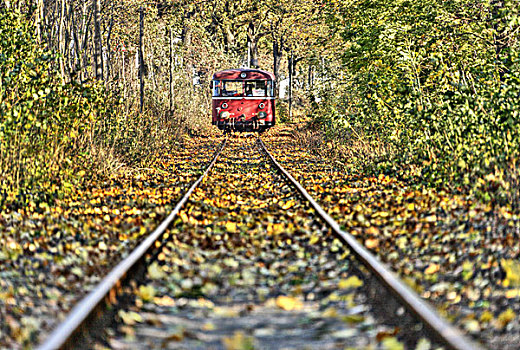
{"points": [[243, 100]]}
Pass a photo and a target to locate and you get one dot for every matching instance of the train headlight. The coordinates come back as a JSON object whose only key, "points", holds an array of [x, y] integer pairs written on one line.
{"points": [[224, 105], [224, 115], [262, 115], [261, 105]]}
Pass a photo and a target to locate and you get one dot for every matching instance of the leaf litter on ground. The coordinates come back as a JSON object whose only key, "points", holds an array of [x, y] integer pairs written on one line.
{"points": [[52, 254], [250, 267], [461, 255]]}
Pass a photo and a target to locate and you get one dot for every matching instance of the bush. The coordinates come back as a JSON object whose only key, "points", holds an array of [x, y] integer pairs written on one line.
{"points": [[439, 82], [45, 123]]}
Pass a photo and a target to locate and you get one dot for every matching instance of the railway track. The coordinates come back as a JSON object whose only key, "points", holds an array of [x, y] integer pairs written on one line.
{"points": [[171, 251]]}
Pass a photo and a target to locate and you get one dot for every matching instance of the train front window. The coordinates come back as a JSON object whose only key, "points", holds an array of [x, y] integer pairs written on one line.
{"points": [[231, 88], [227, 88], [241, 88], [256, 88]]}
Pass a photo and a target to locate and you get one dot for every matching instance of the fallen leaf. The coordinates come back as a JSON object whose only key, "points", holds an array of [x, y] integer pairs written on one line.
{"points": [[164, 301], [351, 282], [371, 243], [391, 343], [231, 227], [432, 268], [330, 312], [130, 318], [288, 303], [423, 344], [472, 326], [505, 317], [512, 270], [353, 318], [486, 317], [147, 293], [155, 271], [239, 341], [512, 293]]}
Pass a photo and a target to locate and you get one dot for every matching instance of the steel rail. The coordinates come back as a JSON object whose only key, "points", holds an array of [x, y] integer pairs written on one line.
{"points": [[440, 329], [62, 336]]}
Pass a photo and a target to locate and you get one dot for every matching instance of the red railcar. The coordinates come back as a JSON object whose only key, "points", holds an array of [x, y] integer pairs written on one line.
{"points": [[243, 100]]}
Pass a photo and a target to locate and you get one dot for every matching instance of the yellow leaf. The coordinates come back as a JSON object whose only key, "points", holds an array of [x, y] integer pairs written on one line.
{"points": [[431, 218], [290, 203], [351, 282], [231, 227], [147, 293], [505, 317], [288, 303], [130, 318], [512, 270], [238, 341], [372, 230], [356, 318], [472, 326], [490, 177], [391, 343], [223, 311], [208, 326], [486, 317], [164, 301], [432, 268], [371, 243], [512, 293], [314, 239], [330, 312], [278, 228], [155, 272], [184, 216]]}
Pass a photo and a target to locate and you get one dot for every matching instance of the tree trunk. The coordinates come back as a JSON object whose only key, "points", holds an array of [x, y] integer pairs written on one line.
{"points": [[109, 48], [39, 20], [77, 51], [98, 55], [277, 57], [172, 92], [309, 78], [141, 60], [290, 68], [123, 73], [61, 39], [85, 27], [252, 45]]}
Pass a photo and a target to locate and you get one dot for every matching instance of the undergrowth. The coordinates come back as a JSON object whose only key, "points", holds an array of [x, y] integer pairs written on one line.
{"points": [[56, 135], [424, 99]]}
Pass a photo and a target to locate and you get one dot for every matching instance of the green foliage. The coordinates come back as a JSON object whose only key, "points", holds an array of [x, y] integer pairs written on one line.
{"points": [[437, 80], [44, 122]]}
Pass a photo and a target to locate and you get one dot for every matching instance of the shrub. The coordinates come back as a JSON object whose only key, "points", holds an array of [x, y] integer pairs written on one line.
{"points": [[45, 123]]}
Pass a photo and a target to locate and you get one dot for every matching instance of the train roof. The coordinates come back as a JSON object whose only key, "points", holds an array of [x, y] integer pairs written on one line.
{"points": [[236, 74]]}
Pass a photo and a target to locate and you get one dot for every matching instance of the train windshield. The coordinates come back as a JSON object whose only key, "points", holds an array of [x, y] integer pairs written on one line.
{"points": [[242, 88]]}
